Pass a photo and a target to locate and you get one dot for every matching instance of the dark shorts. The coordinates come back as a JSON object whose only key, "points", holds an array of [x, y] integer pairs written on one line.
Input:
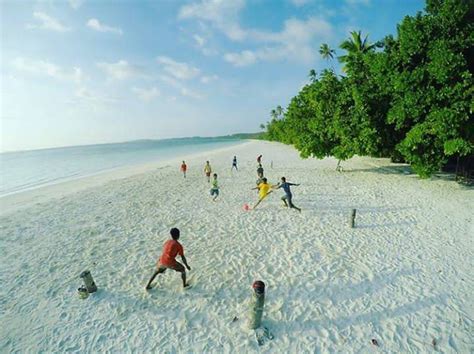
{"points": [[214, 191], [177, 267], [287, 197], [208, 174]]}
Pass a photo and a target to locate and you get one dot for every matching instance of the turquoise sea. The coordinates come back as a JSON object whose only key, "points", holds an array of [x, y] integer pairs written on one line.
{"points": [[24, 170]]}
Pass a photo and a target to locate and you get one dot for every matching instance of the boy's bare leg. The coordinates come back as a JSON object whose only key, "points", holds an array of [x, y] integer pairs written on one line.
{"points": [[293, 206], [158, 271], [257, 203], [180, 268], [183, 277]]}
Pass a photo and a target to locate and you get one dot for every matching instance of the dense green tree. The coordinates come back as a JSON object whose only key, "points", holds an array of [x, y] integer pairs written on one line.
{"points": [[355, 45], [413, 99], [433, 86]]}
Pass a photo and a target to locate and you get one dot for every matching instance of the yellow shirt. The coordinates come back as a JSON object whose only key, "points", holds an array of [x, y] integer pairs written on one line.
{"points": [[263, 190]]}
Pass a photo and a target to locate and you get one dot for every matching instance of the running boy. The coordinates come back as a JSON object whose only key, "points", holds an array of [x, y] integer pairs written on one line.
{"points": [[208, 171], [287, 198], [214, 187], [171, 249], [184, 168], [264, 189]]}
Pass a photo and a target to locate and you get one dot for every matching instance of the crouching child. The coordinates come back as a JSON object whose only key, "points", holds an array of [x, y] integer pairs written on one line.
{"points": [[167, 260]]}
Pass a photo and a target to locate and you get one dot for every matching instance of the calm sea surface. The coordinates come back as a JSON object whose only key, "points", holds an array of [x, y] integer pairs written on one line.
{"points": [[25, 170]]}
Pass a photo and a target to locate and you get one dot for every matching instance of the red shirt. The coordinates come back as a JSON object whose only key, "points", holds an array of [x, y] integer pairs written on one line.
{"points": [[183, 167], [171, 249]]}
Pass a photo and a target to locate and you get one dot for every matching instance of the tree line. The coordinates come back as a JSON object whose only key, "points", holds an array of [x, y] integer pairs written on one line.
{"points": [[409, 97]]}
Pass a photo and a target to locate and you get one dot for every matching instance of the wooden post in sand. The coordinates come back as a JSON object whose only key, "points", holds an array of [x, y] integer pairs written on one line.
{"points": [[88, 281], [353, 216], [256, 306]]}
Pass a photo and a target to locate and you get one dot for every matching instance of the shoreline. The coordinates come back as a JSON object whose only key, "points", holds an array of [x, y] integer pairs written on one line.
{"points": [[41, 194]]}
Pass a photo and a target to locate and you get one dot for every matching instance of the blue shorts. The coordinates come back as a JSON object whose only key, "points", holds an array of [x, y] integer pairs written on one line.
{"points": [[214, 191]]}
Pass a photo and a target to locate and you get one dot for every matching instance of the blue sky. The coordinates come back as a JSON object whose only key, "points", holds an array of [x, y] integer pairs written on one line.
{"points": [[83, 71]]}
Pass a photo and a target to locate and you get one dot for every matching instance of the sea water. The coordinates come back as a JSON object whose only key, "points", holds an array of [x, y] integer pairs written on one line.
{"points": [[24, 170]]}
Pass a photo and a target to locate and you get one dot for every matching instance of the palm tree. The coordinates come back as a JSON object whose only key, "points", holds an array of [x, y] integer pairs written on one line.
{"points": [[327, 53], [279, 111], [274, 115], [355, 45], [312, 75]]}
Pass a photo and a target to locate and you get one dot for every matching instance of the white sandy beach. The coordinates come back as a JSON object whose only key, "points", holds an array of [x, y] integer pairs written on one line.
{"points": [[403, 276]]}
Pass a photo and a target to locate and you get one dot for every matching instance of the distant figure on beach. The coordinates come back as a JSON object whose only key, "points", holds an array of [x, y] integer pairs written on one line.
{"points": [[234, 163], [287, 198], [208, 171], [260, 170], [259, 159], [214, 187], [264, 189], [184, 168], [171, 249]]}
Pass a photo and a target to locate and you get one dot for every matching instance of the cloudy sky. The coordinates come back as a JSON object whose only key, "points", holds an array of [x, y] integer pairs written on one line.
{"points": [[88, 71]]}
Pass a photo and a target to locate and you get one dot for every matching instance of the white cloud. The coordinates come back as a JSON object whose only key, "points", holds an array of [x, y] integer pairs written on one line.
{"points": [[208, 79], [297, 41], [294, 42], [358, 2], [96, 25], [84, 94], [243, 58], [75, 4], [189, 93], [299, 3], [121, 70], [45, 68], [146, 94], [222, 14], [169, 80], [47, 22], [181, 71], [182, 89], [201, 44], [200, 41]]}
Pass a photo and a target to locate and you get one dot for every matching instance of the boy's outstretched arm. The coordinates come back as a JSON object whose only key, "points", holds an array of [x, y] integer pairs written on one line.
{"points": [[183, 258]]}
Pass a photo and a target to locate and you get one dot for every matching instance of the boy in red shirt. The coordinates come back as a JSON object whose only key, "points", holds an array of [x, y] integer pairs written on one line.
{"points": [[184, 168], [171, 249]]}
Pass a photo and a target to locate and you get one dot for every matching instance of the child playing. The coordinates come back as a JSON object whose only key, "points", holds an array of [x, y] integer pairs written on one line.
{"points": [[214, 187], [184, 168], [264, 189], [171, 249], [208, 171], [288, 196]]}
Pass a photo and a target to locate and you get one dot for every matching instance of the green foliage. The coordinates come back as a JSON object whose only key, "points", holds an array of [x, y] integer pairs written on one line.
{"points": [[412, 100]]}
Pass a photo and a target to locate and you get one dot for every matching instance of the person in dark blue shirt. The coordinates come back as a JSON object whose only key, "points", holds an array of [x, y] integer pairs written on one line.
{"points": [[234, 164], [287, 198]]}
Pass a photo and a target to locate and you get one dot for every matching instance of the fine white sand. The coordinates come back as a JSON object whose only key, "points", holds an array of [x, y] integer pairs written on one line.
{"points": [[403, 276]]}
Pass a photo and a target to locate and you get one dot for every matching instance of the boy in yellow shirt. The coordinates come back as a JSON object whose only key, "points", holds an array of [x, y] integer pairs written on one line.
{"points": [[264, 189]]}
